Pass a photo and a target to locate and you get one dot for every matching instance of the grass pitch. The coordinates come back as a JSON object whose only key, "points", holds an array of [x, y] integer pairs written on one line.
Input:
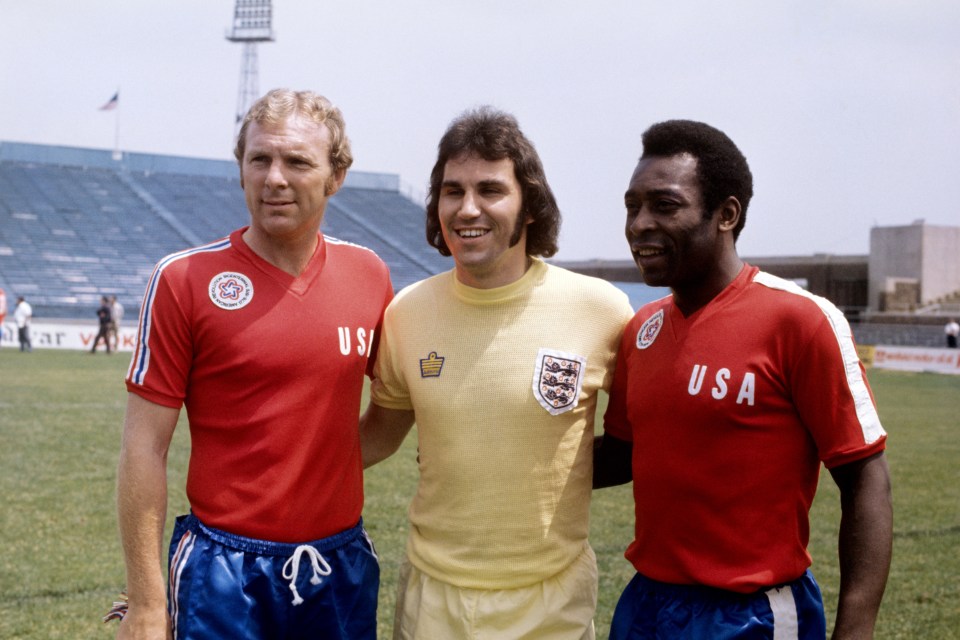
{"points": [[61, 567]]}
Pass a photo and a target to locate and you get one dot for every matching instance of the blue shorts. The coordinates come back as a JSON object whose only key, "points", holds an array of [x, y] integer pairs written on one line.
{"points": [[226, 586], [650, 610]]}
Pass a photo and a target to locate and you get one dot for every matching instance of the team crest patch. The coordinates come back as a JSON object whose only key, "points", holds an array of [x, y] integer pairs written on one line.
{"points": [[557, 379], [649, 330], [230, 290], [431, 366]]}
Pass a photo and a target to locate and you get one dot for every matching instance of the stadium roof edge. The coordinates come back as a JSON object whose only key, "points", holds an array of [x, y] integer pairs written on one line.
{"points": [[154, 163]]}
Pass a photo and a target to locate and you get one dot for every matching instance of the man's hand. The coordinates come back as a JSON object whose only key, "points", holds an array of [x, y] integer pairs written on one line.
{"points": [[145, 624]]}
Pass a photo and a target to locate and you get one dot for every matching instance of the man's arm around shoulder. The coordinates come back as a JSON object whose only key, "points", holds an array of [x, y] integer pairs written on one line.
{"points": [[865, 545], [142, 509], [382, 432], [612, 461]]}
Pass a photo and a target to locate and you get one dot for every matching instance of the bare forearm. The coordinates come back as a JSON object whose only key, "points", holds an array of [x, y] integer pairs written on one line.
{"points": [[382, 432], [141, 510], [376, 449], [865, 545]]}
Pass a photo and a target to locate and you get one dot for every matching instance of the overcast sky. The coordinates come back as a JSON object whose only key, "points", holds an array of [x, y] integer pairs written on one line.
{"points": [[847, 110]]}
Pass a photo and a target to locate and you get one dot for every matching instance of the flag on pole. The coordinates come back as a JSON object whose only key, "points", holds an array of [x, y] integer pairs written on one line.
{"points": [[112, 103]]}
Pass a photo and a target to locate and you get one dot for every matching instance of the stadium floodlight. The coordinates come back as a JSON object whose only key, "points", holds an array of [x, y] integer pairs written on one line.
{"points": [[252, 23]]}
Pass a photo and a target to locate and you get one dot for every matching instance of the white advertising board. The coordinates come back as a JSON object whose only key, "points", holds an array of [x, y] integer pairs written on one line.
{"points": [[78, 335], [64, 335], [916, 359]]}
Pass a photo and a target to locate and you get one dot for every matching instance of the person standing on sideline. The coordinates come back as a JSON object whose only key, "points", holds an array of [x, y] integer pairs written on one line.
{"points": [[728, 396], [3, 312], [116, 316], [500, 362], [265, 338], [952, 331], [105, 318], [22, 316]]}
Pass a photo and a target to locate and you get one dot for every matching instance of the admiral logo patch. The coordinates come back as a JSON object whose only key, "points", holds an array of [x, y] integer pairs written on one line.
{"points": [[431, 365], [230, 290], [649, 330], [557, 380]]}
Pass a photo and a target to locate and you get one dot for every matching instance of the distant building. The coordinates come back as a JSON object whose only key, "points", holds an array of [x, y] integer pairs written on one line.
{"points": [[911, 270], [914, 267]]}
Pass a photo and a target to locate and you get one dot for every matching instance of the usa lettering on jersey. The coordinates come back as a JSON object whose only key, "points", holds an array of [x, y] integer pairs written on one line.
{"points": [[363, 338], [721, 384]]}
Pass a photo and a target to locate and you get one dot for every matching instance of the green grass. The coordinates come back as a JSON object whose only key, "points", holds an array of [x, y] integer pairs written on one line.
{"points": [[60, 421]]}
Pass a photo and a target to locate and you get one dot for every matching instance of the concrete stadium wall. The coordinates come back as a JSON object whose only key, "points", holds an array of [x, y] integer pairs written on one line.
{"points": [[941, 266], [925, 254]]}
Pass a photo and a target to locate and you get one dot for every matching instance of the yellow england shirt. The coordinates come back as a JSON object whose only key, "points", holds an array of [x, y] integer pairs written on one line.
{"points": [[504, 386]]}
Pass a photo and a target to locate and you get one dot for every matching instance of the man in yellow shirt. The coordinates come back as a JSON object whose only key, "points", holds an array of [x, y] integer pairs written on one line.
{"points": [[499, 361]]}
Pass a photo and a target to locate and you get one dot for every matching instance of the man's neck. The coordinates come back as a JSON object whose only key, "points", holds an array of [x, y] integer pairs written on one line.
{"points": [[689, 300], [289, 256]]}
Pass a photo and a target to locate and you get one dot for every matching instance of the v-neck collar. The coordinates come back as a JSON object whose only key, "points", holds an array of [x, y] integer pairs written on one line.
{"points": [[296, 284], [680, 324]]}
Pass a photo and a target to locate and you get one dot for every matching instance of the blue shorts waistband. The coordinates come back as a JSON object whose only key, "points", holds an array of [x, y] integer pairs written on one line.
{"points": [[704, 591], [269, 548]]}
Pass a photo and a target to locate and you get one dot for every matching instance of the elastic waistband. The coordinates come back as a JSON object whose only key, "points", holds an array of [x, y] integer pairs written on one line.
{"points": [[268, 548], [703, 591]]}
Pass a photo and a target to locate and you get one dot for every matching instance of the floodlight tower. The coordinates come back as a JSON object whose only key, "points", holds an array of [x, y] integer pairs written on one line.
{"points": [[251, 24]]}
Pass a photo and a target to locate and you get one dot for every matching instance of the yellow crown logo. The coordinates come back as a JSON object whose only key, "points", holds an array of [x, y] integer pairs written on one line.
{"points": [[431, 365]]}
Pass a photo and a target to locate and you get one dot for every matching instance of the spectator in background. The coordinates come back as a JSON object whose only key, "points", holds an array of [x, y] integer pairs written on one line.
{"points": [[22, 315], [105, 318], [3, 311], [952, 330], [116, 316]]}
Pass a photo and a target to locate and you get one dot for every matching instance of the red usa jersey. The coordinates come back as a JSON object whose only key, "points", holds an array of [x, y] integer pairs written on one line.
{"points": [[270, 370], [731, 411]]}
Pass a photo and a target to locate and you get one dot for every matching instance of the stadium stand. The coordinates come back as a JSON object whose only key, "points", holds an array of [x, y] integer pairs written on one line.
{"points": [[76, 224]]}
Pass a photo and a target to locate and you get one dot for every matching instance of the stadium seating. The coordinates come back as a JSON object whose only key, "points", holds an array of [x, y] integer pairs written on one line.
{"points": [[76, 224]]}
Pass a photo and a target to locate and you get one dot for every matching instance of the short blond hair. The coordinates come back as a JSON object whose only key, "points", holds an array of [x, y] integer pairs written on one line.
{"points": [[279, 104]]}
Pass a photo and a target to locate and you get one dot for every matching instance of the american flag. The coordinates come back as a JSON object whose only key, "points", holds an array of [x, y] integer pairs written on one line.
{"points": [[112, 103]]}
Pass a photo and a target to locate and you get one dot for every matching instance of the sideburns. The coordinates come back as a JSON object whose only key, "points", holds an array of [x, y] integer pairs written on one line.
{"points": [[330, 186], [518, 229]]}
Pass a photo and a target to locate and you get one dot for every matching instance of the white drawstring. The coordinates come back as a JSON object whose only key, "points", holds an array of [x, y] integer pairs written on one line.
{"points": [[292, 567]]}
